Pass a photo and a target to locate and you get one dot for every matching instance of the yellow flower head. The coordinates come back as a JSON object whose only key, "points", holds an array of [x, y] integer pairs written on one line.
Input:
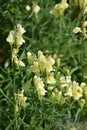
{"points": [[38, 82], [77, 95], [68, 92], [10, 37], [20, 41], [77, 30], [36, 8], [35, 67], [29, 54], [51, 79], [28, 8], [49, 68], [20, 30], [41, 92], [50, 60], [20, 98], [21, 63], [58, 9]]}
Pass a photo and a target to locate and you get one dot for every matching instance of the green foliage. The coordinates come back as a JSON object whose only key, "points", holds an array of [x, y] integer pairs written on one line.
{"points": [[38, 68]]}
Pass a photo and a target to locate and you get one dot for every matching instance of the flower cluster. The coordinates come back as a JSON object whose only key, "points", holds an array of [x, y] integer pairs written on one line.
{"points": [[35, 9], [51, 83], [20, 100], [67, 92], [47, 79], [15, 40], [58, 9], [43, 70]]}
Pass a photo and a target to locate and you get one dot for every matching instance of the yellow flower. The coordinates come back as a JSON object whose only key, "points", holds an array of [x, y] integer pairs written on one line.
{"points": [[76, 87], [20, 99], [59, 97], [65, 4], [20, 30], [83, 84], [29, 54], [68, 92], [50, 87], [38, 82], [65, 81], [42, 62], [58, 9], [15, 51], [50, 60], [35, 68], [20, 41], [41, 92], [85, 24], [14, 54], [10, 37], [36, 9], [28, 8], [82, 103], [54, 10], [51, 79], [77, 95], [15, 59], [21, 63], [77, 30], [18, 62], [49, 68]]}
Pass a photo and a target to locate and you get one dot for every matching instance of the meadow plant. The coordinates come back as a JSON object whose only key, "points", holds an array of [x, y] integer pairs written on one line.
{"points": [[43, 73], [43, 85], [58, 9]]}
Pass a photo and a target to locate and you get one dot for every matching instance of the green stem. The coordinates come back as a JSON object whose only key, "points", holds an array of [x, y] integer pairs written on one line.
{"points": [[82, 57]]}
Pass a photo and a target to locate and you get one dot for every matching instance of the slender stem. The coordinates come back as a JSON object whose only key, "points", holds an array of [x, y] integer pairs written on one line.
{"points": [[82, 56]]}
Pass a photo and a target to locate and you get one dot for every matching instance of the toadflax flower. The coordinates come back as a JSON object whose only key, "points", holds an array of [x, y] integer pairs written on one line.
{"points": [[20, 30], [20, 41], [36, 8], [35, 68], [15, 37], [28, 54], [10, 37], [58, 9], [39, 85], [77, 30], [20, 99], [68, 92], [41, 92], [77, 95], [51, 79], [85, 24], [38, 82], [28, 8]]}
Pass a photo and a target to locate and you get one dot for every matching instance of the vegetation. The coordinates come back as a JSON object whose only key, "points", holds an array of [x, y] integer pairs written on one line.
{"points": [[43, 65]]}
